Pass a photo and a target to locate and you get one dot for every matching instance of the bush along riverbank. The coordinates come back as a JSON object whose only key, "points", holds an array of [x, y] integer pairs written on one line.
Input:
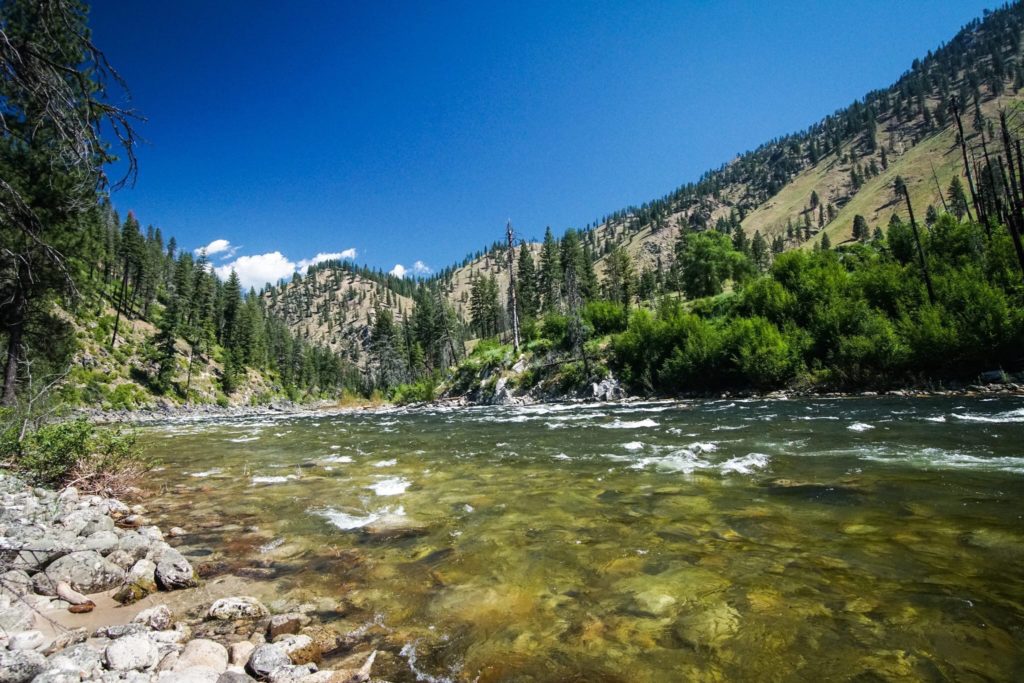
{"points": [[64, 555]]}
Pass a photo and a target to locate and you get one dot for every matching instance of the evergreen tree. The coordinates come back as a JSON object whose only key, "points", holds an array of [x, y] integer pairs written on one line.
{"points": [[957, 198], [526, 280], [861, 232], [619, 277], [550, 274]]}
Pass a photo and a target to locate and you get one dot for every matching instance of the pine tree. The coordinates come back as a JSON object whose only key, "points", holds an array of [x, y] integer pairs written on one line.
{"points": [[861, 232], [957, 198], [619, 277], [550, 274], [526, 280], [759, 252]]}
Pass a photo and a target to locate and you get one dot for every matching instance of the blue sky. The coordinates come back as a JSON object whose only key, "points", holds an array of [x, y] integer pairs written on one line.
{"points": [[409, 132]]}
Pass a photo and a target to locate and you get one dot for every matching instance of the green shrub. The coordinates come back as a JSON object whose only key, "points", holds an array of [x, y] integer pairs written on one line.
{"points": [[95, 459], [605, 317]]}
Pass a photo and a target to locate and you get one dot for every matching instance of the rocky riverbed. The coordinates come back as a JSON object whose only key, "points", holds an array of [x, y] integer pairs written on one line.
{"points": [[90, 591]]}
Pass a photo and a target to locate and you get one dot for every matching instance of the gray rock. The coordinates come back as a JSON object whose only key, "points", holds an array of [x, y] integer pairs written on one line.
{"points": [[86, 572], [132, 653], [100, 522], [15, 584], [80, 658], [121, 630], [67, 639], [174, 571], [292, 672], [203, 653], [27, 640], [16, 616], [31, 555], [235, 677], [135, 544], [57, 676], [20, 666], [196, 674], [239, 607], [265, 660], [157, 617], [122, 559], [607, 390], [103, 542]]}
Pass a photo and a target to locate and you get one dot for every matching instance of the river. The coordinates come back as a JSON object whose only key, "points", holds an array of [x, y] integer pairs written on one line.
{"points": [[854, 539]]}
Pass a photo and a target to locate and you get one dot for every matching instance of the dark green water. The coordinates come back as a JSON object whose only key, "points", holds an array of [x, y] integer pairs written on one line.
{"points": [[853, 539]]}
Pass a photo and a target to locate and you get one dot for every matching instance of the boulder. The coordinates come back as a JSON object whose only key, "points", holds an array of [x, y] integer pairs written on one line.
{"points": [[291, 673], [26, 640], [300, 648], [15, 584], [80, 658], [174, 571], [240, 652], [15, 615], [135, 544], [140, 582], [235, 608], [157, 618], [196, 674], [265, 660], [103, 542], [132, 653], [86, 571], [203, 653], [283, 624], [31, 555], [235, 677], [20, 666]]}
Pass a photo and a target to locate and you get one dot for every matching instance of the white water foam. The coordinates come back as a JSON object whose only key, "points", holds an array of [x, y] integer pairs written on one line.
{"points": [[1007, 416], [277, 479], [633, 446], [244, 439], [392, 486], [745, 465], [860, 427], [346, 521], [343, 459], [635, 424], [206, 473], [386, 463]]}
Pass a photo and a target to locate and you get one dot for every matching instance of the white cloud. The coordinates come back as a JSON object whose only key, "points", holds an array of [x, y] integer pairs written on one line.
{"points": [[214, 247], [418, 268], [258, 270], [346, 255]]}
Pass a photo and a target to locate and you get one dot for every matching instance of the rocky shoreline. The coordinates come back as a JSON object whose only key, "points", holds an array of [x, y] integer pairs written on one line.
{"points": [[85, 584]]}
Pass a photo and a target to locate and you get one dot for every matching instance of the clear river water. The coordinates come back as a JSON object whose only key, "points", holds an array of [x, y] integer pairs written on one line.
{"points": [[868, 539]]}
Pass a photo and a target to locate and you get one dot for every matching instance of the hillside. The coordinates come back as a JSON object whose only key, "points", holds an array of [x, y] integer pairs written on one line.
{"points": [[792, 190]]}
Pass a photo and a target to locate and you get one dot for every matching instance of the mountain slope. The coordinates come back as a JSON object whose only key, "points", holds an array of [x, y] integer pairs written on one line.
{"points": [[848, 160]]}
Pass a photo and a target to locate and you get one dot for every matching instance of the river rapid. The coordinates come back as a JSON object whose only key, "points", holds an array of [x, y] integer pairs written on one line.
{"points": [[853, 539]]}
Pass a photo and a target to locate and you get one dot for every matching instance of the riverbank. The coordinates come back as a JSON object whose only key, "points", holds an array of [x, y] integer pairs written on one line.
{"points": [[90, 590]]}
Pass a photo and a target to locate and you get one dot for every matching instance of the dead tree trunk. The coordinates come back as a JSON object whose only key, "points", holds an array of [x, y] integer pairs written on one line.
{"points": [[512, 287]]}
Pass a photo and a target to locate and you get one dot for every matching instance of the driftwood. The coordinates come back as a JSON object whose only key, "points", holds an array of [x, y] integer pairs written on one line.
{"points": [[360, 675], [79, 603]]}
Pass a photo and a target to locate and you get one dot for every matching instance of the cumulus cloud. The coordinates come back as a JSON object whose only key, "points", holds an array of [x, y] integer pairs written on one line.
{"points": [[258, 270], [346, 255], [215, 247], [418, 268]]}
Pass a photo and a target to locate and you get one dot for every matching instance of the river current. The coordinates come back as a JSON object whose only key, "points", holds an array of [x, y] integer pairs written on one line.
{"points": [[850, 539]]}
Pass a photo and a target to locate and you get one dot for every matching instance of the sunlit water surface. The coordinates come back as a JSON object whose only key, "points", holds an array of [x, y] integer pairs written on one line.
{"points": [[853, 539]]}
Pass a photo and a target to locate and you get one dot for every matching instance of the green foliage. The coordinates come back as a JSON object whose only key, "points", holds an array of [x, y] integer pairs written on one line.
{"points": [[77, 451], [605, 317]]}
